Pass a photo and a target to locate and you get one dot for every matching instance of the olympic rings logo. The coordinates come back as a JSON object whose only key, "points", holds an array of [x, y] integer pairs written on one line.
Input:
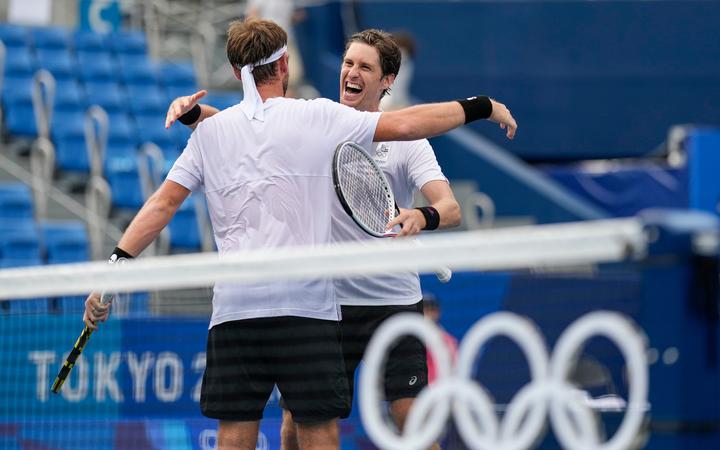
{"points": [[549, 392]]}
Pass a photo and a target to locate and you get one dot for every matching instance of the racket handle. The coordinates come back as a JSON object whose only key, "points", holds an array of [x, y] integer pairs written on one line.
{"points": [[70, 360], [444, 274], [107, 297]]}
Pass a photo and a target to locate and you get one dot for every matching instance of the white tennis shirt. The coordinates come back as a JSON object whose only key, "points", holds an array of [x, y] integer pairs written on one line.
{"points": [[407, 167], [267, 185]]}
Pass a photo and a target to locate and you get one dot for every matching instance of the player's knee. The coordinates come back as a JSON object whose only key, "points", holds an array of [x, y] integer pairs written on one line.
{"points": [[288, 432]]}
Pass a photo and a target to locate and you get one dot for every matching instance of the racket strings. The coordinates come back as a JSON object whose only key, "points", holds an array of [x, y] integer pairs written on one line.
{"points": [[365, 191]]}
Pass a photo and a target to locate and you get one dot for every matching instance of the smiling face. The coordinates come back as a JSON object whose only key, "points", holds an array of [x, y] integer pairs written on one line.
{"points": [[361, 78]]}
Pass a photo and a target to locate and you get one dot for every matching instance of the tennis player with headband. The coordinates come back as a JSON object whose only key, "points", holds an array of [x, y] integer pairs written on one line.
{"points": [[372, 60], [264, 168]]}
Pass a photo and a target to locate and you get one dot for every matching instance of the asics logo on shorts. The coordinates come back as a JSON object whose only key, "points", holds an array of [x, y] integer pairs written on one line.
{"points": [[413, 380]]}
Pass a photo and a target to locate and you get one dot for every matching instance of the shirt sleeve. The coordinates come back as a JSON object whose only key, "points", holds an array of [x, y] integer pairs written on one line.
{"points": [[347, 124], [188, 168], [422, 166]]}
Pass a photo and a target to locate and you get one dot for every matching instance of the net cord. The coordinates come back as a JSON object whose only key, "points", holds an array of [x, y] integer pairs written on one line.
{"points": [[539, 246]]}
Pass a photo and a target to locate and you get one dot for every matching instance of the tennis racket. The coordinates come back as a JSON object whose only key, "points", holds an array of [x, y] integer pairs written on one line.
{"points": [[77, 349], [365, 193]]}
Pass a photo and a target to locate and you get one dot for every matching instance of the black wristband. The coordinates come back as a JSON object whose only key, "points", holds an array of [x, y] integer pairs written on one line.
{"points": [[432, 217], [476, 108], [191, 116], [119, 254]]}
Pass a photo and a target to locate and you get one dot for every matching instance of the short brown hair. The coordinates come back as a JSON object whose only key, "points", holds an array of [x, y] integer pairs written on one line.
{"points": [[387, 48], [252, 40]]}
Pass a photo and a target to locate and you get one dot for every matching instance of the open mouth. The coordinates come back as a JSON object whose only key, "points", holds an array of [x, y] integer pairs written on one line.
{"points": [[352, 88]]}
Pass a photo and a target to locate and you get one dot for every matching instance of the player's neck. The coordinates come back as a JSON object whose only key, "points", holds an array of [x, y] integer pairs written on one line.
{"points": [[372, 108], [270, 90]]}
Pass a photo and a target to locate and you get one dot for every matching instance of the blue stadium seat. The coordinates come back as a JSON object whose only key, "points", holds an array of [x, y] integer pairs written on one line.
{"points": [[147, 99], [50, 37], [16, 204], [96, 66], [184, 233], [68, 134], [17, 106], [180, 74], [14, 35], [69, 96], [174, 92], [222, 100], [122, 137], [137, 70], [151, 128], [107, 94], [59, 62], [64, 241], [19, 61], [124, 180], [180, 134], [127, 42], [87, 41], [19, 245]]}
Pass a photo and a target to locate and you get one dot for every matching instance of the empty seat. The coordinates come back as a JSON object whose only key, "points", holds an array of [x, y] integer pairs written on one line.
{"points": [[58, 62], [177, 73], [180, 134], [68, 134], [19, 61], [127, 42], [17, 106], [87, 41], [69, 96], [124, 180], [50, 37], [222, 99], [96, 66], [19, 245], [16, 205], [151, 128], [108, 95], [137, 70], [147, 99], [14, 35], [64, 241], [184, 232]]}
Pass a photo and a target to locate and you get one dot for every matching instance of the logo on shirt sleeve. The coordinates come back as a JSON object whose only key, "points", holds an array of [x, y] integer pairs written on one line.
{"points": [[382, 151]]}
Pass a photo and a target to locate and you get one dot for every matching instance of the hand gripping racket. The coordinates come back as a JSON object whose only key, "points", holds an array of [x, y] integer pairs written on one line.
{"points": [[77, 349], [365, 193]]}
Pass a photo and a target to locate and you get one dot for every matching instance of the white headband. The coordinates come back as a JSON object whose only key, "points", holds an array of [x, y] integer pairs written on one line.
{"points": [[252, 104]]}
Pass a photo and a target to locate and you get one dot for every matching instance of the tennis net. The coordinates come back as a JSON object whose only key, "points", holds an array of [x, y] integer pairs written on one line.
{"points": [[137, 383]]}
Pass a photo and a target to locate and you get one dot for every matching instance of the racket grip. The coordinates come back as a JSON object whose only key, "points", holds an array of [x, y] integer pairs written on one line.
{"points": [[70, 360], [444, 274], [107, 297]]}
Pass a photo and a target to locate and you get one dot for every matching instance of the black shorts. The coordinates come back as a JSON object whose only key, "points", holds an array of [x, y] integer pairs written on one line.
{"points": [[406, 370], [247, 358]]}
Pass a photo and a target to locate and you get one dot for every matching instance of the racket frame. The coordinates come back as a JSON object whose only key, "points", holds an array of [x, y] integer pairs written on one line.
{"points": [[392, 210]]}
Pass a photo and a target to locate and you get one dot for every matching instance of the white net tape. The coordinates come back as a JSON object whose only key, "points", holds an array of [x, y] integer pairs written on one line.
{"points": [[540, 246]]}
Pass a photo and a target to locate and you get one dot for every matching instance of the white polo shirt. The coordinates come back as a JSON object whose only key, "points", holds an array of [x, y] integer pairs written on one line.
{"points": [[407, 167], [269, 184]]}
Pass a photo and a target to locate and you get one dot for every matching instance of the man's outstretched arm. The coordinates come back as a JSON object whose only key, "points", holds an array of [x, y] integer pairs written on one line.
{"points": [[432, 119], [184, 105]]}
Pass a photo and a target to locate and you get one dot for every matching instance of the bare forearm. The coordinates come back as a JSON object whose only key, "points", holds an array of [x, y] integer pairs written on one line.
{"points": [[449, 212], [147, 224], [429, 120], [418, 122]]}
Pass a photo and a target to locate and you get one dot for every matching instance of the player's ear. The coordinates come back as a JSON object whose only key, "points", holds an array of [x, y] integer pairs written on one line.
{"points": [[283, 64], [236, 71], [388, 81]]}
